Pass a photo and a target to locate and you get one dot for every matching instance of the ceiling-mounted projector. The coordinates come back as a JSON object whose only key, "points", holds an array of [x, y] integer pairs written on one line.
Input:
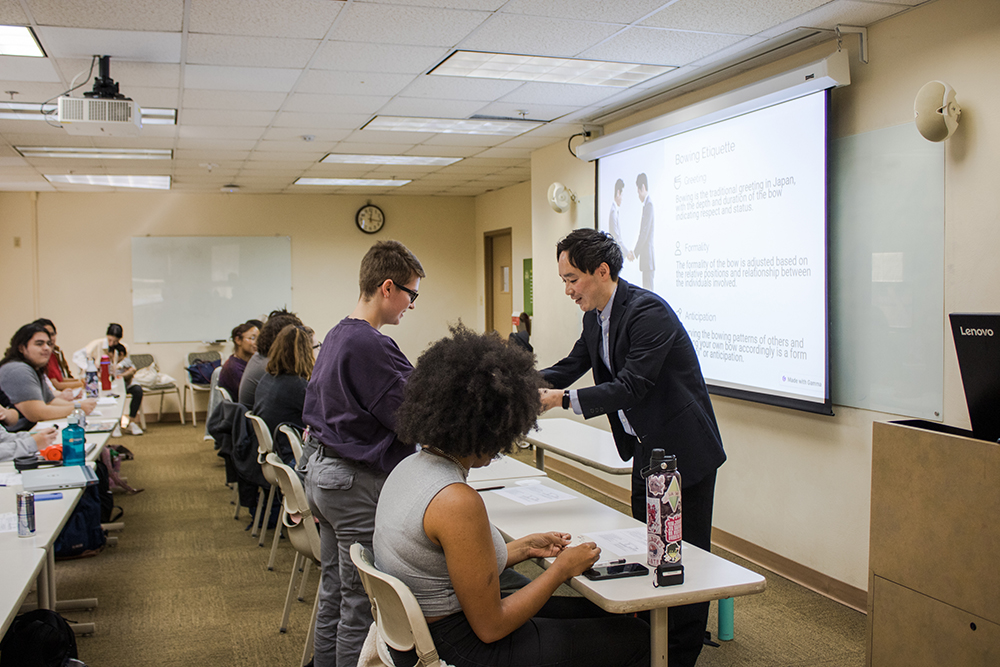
{"points": [[102, 112]]}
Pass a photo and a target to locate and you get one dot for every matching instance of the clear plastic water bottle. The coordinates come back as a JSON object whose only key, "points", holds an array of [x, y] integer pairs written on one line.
{"points": [[92, 384], [74, 441]]}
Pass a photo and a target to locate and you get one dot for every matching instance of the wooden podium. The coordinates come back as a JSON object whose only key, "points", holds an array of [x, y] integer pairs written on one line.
{"points": [[934, 560]]}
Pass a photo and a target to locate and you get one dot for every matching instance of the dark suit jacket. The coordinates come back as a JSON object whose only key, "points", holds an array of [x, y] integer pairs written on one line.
{"points": [[656, 380], [644, 245]]}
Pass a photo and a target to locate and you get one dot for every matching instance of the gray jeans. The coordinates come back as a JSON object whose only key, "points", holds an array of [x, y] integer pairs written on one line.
{"points": [[343, 496]]}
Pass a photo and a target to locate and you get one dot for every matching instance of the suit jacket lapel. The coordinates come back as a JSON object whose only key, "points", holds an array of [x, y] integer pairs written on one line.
{"points": [[617, 320]]}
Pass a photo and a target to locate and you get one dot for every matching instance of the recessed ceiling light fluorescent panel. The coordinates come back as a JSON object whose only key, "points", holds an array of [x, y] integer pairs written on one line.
{"points": [[339, 158], [19, 40], [95, 153], [356, 182], [478, 65], [151, 182], [510, 128]]}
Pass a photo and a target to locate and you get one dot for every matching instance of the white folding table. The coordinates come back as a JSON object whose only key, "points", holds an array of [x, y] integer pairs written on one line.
{"points": [[585, 444]]}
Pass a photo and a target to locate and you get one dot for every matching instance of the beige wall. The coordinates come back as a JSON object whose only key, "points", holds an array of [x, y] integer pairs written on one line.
{"points": [[798, 484], [84, 244], [508, 208]]}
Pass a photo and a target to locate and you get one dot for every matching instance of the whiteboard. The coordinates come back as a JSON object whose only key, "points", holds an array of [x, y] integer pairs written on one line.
{"points": [[197, 288], [887, 272]]}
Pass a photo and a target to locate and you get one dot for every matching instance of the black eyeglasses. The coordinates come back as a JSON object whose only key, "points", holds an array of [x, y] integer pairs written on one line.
{"points": [[413, 295]]}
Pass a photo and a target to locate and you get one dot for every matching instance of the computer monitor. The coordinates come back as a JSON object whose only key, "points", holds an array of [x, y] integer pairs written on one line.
{"points": [[977, 343]]}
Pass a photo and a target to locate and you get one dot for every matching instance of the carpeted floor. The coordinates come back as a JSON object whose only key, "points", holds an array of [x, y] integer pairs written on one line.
{"points": [[187, 586]]}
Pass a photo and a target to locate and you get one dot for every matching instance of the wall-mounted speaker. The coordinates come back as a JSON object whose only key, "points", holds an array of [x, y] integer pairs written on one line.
{"points": [[936, 111], [560, 197]]}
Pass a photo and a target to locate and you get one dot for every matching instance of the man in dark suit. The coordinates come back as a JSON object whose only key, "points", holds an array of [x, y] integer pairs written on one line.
{"points": [[648, 381], [644, 245]]}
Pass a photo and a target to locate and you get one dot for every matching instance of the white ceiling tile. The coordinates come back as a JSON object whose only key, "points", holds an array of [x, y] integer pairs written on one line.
{"points": [[305, 150], [845, 12], [217, 132], [390, 58], [11, 13], [290, 135], [221, 117], [160, 131], [657, 46], [398, 172], [327, 170], [529, 140], [317, 121], [451, 177], [155, 15], [458, 88], [240, 78], [126, 72], [30, 91], [18, 68], [733, 51], [249, 51], [744, 18], [349, 104], [543, 112], [482, 5], [200, 149], [37, 133], [400, 24], [286, 160], [328, 82], [496, 161], [538, 36], [163, 98], [12, 161], [309, 19], [230, 99], [153, 47], [420, 107], [620, 11], [144, 141]]}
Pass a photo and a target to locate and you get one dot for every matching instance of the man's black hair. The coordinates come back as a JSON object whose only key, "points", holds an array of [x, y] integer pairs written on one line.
{"points": [[588, 248]]}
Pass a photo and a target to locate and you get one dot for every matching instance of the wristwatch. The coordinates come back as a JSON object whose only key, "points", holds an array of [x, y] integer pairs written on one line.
{"points": [[566, 399]]}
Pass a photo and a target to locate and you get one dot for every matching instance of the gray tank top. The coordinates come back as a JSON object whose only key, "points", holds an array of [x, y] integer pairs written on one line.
{"points": [[401, 547]]}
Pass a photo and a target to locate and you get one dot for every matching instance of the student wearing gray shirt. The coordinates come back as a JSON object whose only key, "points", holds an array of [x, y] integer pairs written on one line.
{"points": [[257, 366]]}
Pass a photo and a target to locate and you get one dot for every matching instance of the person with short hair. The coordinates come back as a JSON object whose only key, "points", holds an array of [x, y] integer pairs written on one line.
{"points": [[350, 411], [257, 365], [644, 244], [22, 376], [648, 381], [468, 400], [281, 392], [244, 337], [121, 366]]}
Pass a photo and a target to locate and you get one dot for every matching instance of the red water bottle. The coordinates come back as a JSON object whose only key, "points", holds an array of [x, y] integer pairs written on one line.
{"points": [[105, 373]]}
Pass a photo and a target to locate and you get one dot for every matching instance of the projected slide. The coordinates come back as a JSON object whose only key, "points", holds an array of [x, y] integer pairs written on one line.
{"points": [[728, 223]]}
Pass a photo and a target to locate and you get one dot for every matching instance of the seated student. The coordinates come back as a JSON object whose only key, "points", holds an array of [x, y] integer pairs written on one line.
{"points": [[13, 445], [244, 338], [281, 392], [22, 373], [523, 334], [276, 321], [121, 366], [58, 370], [471, 397]]}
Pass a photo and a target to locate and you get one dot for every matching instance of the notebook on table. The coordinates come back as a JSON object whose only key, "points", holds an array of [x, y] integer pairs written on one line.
{"points": [[62, 477]]}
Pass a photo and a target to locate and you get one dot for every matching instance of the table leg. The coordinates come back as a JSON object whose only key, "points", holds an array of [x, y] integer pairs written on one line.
{"points": [[658, 637], [43, 599], [539, 458], [726, 619]]}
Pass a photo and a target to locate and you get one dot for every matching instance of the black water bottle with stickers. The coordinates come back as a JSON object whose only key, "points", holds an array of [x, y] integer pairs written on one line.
{"points": [[663, 518]]}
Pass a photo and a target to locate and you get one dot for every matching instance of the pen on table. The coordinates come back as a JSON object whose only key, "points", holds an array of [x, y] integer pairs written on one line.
{"points": [[489, 488], [609, 563]]}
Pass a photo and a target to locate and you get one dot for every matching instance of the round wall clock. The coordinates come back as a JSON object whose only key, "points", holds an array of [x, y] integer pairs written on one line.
{"points": [[370, 218]]}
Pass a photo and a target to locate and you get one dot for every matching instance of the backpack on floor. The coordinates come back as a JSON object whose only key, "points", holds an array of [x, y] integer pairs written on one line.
{"points": [[82, 535], [39, 638]]}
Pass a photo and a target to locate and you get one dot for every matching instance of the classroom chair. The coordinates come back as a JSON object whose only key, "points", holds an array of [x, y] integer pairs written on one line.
{"points": [[400, 622], [213, 398], [192, 387], [304, 536], [161, 390], [265, 446], [295, 440]]}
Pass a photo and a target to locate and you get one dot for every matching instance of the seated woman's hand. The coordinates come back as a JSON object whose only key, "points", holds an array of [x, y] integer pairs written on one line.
{"points": [[574, 560], [546, 545], [44, 438], [88, 405]]}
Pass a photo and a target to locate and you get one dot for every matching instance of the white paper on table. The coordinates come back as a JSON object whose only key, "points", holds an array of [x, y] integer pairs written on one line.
{"points": [[78, 392], [95, 413], [107, 400], [535, 494], [623, 542], [10, 479], [8, 522]]}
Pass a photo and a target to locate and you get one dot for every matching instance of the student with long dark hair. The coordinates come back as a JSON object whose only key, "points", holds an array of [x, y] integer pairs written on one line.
{"points": [[244, 337], [22, 377], [58, 370], [121, 365], [281, 392]]}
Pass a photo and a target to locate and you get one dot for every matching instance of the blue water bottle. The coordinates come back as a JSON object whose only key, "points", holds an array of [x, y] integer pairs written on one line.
{"points": [[74, 442]]}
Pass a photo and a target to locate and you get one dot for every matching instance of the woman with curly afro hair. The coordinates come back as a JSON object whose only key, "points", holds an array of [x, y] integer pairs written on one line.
{"points": [[469, 399]]}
